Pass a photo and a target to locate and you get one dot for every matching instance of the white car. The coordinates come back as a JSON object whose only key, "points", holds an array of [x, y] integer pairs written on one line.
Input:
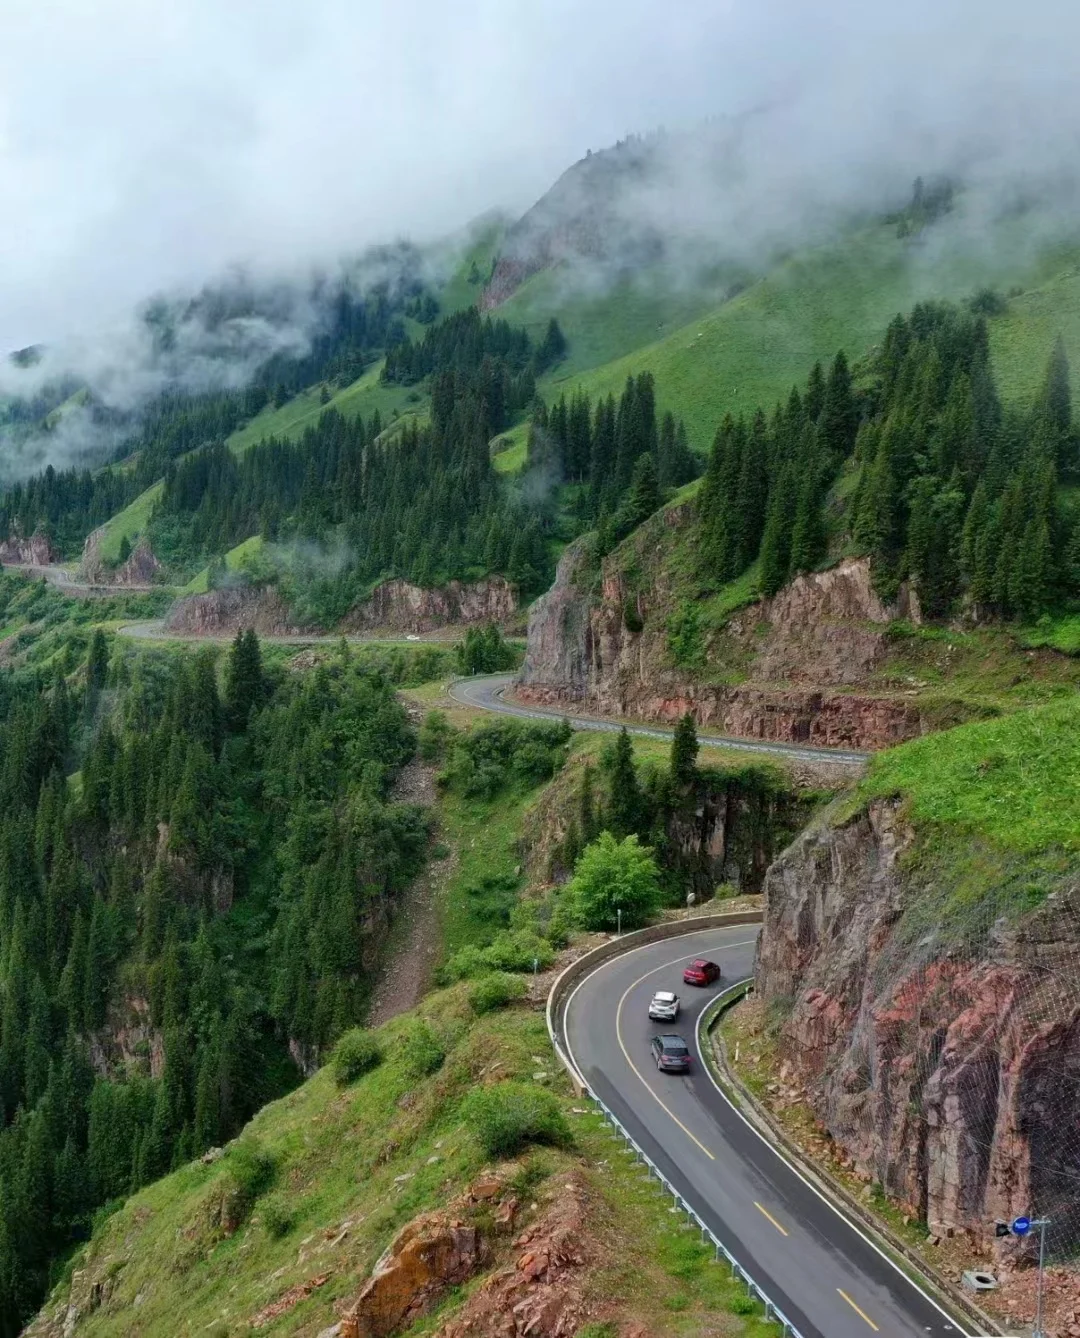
{"points": [[411, 636], [664, 1006]]}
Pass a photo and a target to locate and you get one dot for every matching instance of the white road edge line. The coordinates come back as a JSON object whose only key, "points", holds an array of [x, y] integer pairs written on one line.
{"points": [[793, 1167]]}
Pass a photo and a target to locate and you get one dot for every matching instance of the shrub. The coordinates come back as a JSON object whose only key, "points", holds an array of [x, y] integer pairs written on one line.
{"points": [[685, 640], [277, 1217], [611, 876], [356, 1053], [424, 1052], [510, 1115], [485, 759], [251, 1166], [434, 736], [496, 991], [516, 951], [630, 615], [743, 1305]]}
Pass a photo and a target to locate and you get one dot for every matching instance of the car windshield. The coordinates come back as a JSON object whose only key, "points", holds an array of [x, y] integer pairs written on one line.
{"points": [[673, 1046], [697, 966]]}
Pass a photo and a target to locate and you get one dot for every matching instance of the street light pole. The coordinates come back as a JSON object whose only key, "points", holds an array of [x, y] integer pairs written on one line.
{"points": [[618, 912]]}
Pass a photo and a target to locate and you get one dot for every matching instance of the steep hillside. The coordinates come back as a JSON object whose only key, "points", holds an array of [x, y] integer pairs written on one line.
{"points": [[919, 967], [284, 1230], [826, 661], [751, 349]]}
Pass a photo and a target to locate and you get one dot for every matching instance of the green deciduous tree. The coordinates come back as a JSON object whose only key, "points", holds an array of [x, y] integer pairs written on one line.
{"points": [[613, 876]]}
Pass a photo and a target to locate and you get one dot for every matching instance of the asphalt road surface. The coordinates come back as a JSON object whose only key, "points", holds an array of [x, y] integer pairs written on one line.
{"points": [[825, 1275], [489, 694]]}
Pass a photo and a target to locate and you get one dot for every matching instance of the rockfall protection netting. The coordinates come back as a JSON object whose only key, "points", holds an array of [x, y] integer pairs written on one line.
{"points": [[961, 1081]]}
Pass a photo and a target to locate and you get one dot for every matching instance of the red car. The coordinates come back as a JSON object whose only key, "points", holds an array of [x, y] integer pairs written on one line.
{"points": [[701, 972]]}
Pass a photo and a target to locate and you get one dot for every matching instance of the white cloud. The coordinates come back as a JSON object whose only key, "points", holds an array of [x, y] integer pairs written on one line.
{"points": [[144, 145]]}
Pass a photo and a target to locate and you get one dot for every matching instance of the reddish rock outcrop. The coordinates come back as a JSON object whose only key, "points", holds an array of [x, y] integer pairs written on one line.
{"points": [[138, 571], [233, 609], [430, 1254], [399, 606], [941, 1057], [539, 1294], [801, 654], [37, 551]]}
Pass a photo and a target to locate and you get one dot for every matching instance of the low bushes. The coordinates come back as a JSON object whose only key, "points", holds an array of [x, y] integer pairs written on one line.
{"points": [[496, 991], [510, 1115], [356, 1053]]}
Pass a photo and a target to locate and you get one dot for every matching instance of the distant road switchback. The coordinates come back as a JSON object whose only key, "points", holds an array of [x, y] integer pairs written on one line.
{"points": [[489, 694]]}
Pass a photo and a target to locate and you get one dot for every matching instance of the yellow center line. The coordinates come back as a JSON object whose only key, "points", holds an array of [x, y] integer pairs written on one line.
{"points": [[769, 1217], [861, 1313], [626, 1054]]}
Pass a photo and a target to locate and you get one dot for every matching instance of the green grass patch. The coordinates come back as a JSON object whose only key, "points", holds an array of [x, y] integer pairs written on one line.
{"points": [[129, 524], [508, 451], [1061, 633], [1014, 781], [358, 399], [750, 350], [236, 559], [342, 1170]]}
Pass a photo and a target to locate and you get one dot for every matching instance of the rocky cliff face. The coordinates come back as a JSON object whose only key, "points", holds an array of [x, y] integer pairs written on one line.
{"points": [[399, 606], [801, 656], [945, 1068], [233, 609], [36, 551], [139, 570]]}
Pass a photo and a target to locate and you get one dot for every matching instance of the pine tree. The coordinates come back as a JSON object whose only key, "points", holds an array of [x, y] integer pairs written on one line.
{"points": [[776, 541], [684, 751], [624, 795], [97, 663], [643, 496], [245, 685], [1055, 400], [839, 412]]}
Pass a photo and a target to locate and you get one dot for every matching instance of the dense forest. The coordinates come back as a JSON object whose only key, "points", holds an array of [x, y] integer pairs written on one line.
{"points": [[196, 863], [620, 456], [352, 329], [949, 489]]}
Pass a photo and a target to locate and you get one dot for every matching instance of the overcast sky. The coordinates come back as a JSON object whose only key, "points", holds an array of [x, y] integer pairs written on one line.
{"points": [[144, 145]]}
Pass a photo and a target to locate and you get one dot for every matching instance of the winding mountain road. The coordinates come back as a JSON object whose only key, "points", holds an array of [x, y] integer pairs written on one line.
{"points": [[155, 630], [826, 1275], [488, 693]]}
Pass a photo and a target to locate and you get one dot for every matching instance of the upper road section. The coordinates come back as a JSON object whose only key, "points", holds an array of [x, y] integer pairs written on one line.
{"points": [[489, 694]]}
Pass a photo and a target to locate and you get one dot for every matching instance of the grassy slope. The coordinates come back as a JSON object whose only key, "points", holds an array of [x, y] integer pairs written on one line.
{"points": [[360, 398], [751, 350], [996, 810], [392, 1146], [603, 326], [129, 523], [235, 559], [374, 1156]]}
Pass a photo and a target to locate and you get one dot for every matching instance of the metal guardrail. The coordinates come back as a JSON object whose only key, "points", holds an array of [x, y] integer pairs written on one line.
{"points": [[773, 1313]]}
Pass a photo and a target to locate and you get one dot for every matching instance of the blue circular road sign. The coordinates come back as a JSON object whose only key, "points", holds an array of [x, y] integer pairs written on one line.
{"points": [[1021, 1226]]}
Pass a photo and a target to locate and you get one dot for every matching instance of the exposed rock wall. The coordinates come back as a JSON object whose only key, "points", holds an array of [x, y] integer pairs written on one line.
{"points": [[37, 551], [947, 1070], [140, 568], [233, 609], [803, 654], [397, 605]]}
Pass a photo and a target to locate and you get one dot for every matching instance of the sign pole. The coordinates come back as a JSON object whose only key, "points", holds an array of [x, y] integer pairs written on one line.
{"points": [[1037, 1332]]}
